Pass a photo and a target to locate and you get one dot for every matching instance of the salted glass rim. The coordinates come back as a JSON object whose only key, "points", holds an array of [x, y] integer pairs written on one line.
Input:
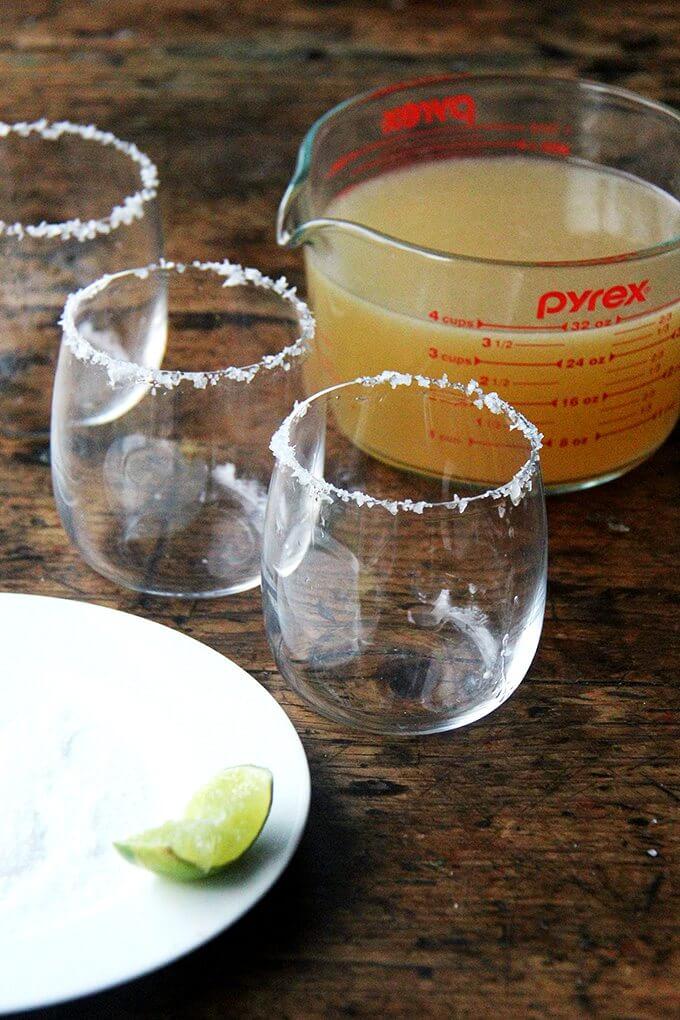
{"points": [[130, 208], [126, 372], [515, 488]]}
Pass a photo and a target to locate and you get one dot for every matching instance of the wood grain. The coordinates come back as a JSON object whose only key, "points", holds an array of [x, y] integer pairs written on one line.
{"points": [[503, 868]]}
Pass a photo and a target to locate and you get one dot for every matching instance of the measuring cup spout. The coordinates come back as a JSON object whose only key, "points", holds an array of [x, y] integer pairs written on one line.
{"points": [[294, 213], [297, 224], [298, 221]]}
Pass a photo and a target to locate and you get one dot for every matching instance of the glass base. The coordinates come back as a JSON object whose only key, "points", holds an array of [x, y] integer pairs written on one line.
{"points": [[213, 593], [381, 716], [392, 728]]}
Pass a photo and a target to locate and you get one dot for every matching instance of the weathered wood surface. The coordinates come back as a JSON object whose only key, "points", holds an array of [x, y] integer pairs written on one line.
{"points": [[499, 869]]}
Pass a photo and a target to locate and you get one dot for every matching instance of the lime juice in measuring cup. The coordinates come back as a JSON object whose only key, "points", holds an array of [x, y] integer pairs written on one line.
{"points": [[524, 231]]}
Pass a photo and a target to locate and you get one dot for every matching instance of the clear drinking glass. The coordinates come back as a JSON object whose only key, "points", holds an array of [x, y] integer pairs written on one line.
{"points": [[75, 202], [160, 452], [401, 601]]}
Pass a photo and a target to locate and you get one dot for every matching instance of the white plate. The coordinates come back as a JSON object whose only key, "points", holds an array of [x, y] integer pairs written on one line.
{"points": [[164, 713]]}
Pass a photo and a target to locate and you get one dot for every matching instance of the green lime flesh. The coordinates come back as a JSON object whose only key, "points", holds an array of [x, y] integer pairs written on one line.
{"points": [[221, 822]]}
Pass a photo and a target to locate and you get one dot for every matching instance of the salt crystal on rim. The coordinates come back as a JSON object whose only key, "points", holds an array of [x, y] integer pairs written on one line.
{"points": [[131, 207], [128, 373], [284, 452]]}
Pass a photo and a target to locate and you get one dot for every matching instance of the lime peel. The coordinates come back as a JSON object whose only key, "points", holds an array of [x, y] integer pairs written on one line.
{"points": [[222, 820]]}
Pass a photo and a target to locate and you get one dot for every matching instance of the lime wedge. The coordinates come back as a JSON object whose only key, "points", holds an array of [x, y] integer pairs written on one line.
{"points": [[221, 821]]}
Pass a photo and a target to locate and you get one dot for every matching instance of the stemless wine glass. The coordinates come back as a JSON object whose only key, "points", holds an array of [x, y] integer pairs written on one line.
{"points": [[396, 600], [160, 452], [75, 202]]}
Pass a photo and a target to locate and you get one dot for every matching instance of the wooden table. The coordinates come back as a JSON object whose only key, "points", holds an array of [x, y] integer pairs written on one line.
{"points": [[504, 868]]}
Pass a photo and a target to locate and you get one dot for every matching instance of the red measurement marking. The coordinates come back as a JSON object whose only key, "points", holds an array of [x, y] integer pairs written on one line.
{"points": [[504, 325], [405, 156], [632, 339], [534, 382], [636, 350], [457, 144], [533, 346], [487, 442], [640, 386], [556, 148], [626, 378], [623, 417], [564, 327], [628, 403], [628, 366], [628, 329], [449, 403], [568, 327], [540, 403], [648, 312], [627, 428], [519, 364], [452, 130], [442, 437], [624, 428], [410, 144]]}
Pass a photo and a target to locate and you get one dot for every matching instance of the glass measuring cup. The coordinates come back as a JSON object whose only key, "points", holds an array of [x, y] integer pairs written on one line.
{"points": [[587, 346]]}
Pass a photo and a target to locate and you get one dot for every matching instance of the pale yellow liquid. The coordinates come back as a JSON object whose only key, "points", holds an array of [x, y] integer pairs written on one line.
{"points": [[602, 385]]}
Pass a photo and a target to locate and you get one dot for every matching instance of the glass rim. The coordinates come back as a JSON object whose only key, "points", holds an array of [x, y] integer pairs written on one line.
{"points": [[515, 488], [587, 85], [130, 208], [125, 372]]}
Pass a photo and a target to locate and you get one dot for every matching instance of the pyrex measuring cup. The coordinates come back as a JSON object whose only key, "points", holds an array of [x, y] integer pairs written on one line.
{"points": [[587, 347]]}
